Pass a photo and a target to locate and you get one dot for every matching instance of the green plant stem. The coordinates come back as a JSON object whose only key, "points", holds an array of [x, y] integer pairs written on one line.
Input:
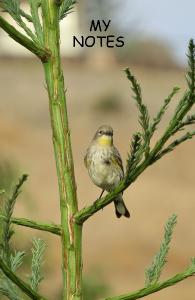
{"points": [[71, 231], [20, 283], [156, 287], [52, 228], [34, 47], [34, 6]]}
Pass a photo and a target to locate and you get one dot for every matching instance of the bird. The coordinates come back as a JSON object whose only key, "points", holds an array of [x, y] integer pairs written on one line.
{"points": [[105, 167]]}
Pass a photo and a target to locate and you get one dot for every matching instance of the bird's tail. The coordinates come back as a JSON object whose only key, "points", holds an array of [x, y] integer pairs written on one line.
{"points": [[120, 207]]}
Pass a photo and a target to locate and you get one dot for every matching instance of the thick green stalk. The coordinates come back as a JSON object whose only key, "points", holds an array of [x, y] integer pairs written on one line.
{"points": [[71, 232]]}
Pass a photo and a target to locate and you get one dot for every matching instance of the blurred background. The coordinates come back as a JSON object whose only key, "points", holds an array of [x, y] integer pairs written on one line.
{"points": [[115, 252]]}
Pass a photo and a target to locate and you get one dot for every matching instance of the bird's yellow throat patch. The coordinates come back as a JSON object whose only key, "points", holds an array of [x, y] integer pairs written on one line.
{"points": [[105, 140]]}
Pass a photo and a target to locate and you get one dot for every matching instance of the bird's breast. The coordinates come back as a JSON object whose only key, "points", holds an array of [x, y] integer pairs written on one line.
{"points": [[100, 168]]}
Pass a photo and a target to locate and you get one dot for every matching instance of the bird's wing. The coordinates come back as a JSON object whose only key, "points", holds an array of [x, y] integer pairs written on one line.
{"points": [[86, 159], [118, 161]]}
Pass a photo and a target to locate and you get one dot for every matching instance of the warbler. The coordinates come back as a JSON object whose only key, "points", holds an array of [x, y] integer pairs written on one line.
{"points": [[105, 167]]}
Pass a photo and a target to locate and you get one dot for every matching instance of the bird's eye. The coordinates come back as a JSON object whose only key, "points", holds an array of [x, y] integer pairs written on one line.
{"points": [[100, 132]]}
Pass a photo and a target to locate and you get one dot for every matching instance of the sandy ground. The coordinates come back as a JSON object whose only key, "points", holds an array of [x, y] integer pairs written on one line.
{"points": [[119, 250]]}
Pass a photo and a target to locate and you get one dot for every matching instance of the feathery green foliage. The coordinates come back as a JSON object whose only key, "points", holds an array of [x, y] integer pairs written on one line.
{"points": [[10, 284], [32, 39], [133, 156], [7, 211], [16, 260], [177, 123], [16, 283], [153, 288], [25, 15], [34, 7], [160, 114], [8, 291], [190, 120], [154, 271], [188, 99], [191, 72], [44, 42], [13, 8], [13, 261], [37, 262], [173, 145], [144, 119], [66, 8]]}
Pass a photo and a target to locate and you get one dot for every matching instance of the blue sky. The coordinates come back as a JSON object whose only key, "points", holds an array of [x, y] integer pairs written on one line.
{"points": [[170, 20]]}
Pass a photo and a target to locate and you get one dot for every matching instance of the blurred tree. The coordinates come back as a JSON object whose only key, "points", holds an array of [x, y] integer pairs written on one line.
{"points": [[94, 287], [147, 52], [8, 174], [96, 9]]}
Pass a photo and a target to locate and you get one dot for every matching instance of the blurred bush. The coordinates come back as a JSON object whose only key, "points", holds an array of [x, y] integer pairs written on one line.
{"points": [[8, 175], [95, 288], [147, 52], [108, 102]]}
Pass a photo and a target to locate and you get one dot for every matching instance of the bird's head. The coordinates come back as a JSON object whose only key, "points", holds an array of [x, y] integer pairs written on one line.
{"points": [[104, 135]]}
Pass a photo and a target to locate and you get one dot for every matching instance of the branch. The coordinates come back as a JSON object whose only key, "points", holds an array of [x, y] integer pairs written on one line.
{"points": [[12, 7], [81, 216], [190, 120], [144, 119], [52, 228], [8, 292], [34, 47], [20, 283], [66, 7], [171, 147], [7, 212], [37, 263], [85, 213], [154, 271], [133, 157], [162, 111], [136, 164], [190, 271], [34, 6]]}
